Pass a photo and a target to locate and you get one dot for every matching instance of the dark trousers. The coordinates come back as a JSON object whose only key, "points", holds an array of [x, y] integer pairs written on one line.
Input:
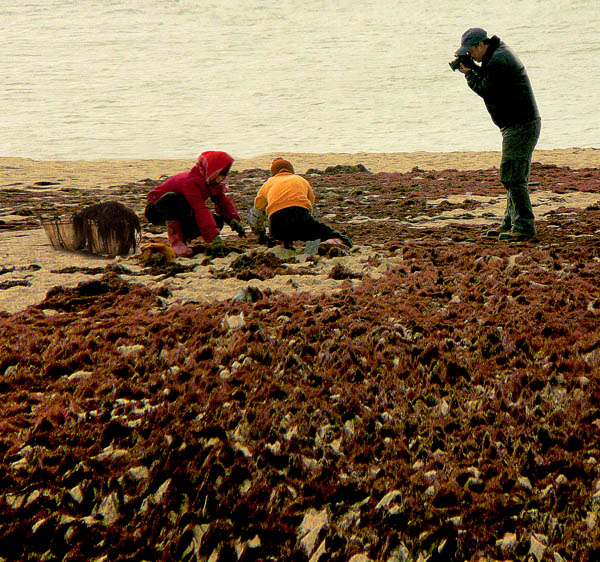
{"points": [[518, 142], [175, 207], [296, 223]]}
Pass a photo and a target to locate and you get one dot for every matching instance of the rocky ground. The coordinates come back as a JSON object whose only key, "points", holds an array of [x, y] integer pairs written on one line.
{"points": [[441, 402]]}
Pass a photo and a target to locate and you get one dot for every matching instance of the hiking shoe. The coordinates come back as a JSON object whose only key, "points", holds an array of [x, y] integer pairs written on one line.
{"points": [[516, 235], [495, 232], [346, 240]]}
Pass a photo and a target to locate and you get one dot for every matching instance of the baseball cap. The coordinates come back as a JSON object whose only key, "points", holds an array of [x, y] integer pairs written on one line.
{"points": [[469, 38]]}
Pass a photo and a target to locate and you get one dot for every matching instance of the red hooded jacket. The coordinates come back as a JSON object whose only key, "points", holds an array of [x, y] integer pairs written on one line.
{"points": [[197, 186]]}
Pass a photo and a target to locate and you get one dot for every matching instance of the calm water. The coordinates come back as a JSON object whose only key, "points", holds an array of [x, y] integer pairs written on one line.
{"points": [[87, 79]]}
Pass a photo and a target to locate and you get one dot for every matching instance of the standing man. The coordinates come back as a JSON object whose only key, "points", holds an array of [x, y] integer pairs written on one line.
{"points": [[502, 82]]}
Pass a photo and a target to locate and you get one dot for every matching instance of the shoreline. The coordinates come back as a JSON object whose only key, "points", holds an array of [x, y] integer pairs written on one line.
{"points": [[16, 171]]}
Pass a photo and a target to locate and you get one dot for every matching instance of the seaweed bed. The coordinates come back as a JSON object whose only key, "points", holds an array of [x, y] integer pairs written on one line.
{"points": [[447, 411]]}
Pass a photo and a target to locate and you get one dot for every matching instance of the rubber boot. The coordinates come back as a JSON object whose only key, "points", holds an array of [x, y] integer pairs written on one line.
{"points": [[175, 235]]}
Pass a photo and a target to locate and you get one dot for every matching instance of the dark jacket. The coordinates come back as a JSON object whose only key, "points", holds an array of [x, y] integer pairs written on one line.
{"points": [[503, 84]]}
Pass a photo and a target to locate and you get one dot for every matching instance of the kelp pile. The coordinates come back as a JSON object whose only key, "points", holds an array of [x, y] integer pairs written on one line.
{"points": [[449, 410]]}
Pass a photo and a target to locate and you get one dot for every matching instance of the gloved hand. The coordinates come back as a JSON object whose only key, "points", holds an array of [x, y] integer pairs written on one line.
{"points": [[257, 220], [237, 227], [216, 248]]}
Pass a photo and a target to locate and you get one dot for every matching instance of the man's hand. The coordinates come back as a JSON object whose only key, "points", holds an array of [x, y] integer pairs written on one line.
{"points": [[216, 248], [464, 69], [237, 227]]}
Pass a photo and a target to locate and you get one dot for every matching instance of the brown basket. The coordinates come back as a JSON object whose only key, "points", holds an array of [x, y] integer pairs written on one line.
{"points": [[61, 233], [63, 236]]}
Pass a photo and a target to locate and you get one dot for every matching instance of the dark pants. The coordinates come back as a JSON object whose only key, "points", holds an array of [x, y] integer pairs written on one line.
{"points": [[174, 207], [296, 223], [518, 142]]}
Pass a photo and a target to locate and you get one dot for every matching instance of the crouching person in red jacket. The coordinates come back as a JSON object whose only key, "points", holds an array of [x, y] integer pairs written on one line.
{"points": [[180, 203]]}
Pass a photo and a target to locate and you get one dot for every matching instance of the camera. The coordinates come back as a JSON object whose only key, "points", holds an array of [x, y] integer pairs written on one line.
{"points": [[464, 59]]}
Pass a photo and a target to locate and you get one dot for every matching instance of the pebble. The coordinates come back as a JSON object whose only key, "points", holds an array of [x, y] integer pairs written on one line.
{"points": [[360, 558], [537, 547], [525, 483], [507, 542], [79, 375], [561, 480], [160, 493], [21, 464], [108, 509], [131, 350], [10, 371], [139, 472], [76, 493], [444, 407], [391, 497], [234, 322]]}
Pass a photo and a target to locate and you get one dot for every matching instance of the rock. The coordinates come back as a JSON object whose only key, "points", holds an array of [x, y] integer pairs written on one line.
{"points": [[249, 294], [311, 247], [21, 464], [507, 542], [139, 473], [32, 497], [444, 407], [131, 350], [336, 446], [312, 524], [591, 520], [390, 498], [349, 428], [76, 493], [26, 451], [111, 453], [109, 509], [430, 475], [10, 371], [399, 554], [80, 375], [525, 483], [537, 546], [319, 553], [360, 558], [15, 501], [159, 495], [233, 322], [561, 480]]}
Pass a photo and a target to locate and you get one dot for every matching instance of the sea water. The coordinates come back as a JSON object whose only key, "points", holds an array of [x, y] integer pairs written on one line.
{"points": [[86, 79]]}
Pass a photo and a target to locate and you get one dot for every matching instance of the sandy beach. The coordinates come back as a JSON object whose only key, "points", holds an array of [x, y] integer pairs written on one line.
{"points": [[91, 173]]}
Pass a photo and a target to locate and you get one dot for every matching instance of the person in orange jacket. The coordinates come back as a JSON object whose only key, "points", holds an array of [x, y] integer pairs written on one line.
{"points": [[180, 203], [288, 201]]}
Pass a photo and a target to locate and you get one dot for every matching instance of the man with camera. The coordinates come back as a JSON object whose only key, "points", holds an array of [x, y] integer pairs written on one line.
{"points": [[502, 81]]}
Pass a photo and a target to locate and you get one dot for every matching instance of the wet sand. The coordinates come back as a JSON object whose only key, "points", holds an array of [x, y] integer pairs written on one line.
{"points": [[91, 173]]}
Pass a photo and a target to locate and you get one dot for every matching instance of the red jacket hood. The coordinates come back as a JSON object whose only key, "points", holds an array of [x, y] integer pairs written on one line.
{"points": [[211, 163]]}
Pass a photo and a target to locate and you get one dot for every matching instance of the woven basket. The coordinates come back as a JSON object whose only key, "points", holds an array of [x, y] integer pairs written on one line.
{"points": [[61, 233]]}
